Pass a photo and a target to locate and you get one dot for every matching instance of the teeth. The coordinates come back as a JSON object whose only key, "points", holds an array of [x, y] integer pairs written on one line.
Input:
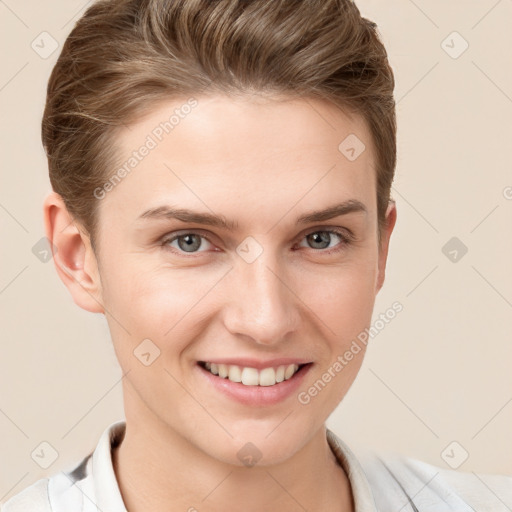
{"points": [[234, 374], [252, 376], [223, 370], [290, 370], [267, 377]]}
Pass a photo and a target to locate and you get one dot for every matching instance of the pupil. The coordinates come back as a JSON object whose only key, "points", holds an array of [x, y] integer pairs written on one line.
{"points": [[189, 244], [324, 237]]}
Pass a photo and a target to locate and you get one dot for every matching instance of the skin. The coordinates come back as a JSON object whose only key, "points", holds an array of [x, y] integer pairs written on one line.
{"points": [[262, 163]]}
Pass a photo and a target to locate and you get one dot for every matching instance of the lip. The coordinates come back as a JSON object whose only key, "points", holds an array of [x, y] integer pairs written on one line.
{"points": [[255, 395]]}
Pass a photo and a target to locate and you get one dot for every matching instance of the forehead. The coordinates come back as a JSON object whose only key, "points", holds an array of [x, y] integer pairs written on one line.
{"points": [[259, 150], [220, 119]]}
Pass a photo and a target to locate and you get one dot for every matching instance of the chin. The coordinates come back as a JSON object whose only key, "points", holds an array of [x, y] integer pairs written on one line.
{"points": [[256, 447]]}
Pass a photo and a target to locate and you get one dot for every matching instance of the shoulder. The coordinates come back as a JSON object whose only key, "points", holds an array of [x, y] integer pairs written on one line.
{"points": [[76, 488], [61, 491], [422, 485], [33, 498]]}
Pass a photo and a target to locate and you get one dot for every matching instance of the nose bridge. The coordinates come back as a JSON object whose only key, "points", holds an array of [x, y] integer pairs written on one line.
{"points": [[263, 306]]}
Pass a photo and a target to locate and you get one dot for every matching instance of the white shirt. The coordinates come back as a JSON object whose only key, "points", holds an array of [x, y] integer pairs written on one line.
{"points": [[379, 484]]}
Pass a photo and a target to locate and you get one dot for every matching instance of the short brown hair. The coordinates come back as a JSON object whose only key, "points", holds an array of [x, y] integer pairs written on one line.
{"points": [[124, 56]]}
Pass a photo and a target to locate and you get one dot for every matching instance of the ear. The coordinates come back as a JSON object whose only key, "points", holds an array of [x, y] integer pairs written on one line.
{"points": [[73, 256], [384, 243]]}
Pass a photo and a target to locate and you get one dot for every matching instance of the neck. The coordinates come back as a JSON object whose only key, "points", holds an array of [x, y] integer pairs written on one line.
{"points": [[160, 470]]}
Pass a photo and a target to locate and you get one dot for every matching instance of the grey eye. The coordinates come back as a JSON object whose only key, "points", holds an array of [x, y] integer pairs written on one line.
{"points": [[189, 242], [320, 237]]}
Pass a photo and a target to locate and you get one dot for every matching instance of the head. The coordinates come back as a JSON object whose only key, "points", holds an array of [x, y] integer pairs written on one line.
{"points": [[257, 115]]}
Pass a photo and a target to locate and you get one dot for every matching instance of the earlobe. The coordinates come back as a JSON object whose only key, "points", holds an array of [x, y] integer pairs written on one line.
{"points": [[73, 256], [384, 244]]}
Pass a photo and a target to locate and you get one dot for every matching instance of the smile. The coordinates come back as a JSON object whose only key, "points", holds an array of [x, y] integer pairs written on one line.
{"points": [[253, 382], [252, 376]]}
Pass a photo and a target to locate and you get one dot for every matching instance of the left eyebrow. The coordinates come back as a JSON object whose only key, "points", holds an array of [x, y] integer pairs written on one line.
{"points": [[344, 208], [186, 215]]}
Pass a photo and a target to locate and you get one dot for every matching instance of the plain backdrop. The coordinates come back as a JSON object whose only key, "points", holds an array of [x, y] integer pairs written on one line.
{"points": [[436, 382]]}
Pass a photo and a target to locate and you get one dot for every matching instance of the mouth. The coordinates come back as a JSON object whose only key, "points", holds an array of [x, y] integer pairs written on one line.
{"points": [[253, 377]]}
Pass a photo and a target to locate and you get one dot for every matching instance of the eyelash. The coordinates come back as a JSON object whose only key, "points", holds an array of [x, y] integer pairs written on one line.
{"points": [[345, 236]]}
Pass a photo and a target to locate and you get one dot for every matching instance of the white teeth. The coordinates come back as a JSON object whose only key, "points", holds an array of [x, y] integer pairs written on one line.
{"points": [[267, 377], [223, 370], [290, 370], [234, 373], [251, 376]]}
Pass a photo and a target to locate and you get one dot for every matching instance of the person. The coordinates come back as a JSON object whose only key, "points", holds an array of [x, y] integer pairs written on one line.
{"points": [[221, 175]]}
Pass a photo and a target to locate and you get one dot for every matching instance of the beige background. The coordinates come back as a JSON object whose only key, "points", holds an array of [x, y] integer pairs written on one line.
{"points": [[438, 373]]}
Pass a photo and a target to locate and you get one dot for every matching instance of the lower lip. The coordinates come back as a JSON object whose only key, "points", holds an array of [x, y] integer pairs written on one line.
{"points": [[256, 395]]}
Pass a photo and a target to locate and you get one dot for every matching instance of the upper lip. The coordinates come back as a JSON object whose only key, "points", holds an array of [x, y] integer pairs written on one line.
{"points": [[248, 362]]}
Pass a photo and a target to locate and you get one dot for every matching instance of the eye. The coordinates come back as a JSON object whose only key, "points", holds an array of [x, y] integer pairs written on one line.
{"points": [[190, 242], [321, 239], [186, 242]]}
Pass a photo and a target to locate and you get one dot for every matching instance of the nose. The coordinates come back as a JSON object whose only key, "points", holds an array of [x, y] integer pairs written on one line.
{"points": [[262, 305]]}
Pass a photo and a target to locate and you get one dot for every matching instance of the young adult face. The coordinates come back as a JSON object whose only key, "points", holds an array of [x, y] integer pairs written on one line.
{"points": [[267, 292]]}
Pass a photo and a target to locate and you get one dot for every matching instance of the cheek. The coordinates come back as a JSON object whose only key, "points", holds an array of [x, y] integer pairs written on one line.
{"points": [[161, 304], [342, 304], [343, 296], [170, 297]]}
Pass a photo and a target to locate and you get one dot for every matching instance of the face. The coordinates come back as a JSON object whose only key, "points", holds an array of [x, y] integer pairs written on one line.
{"points": [[214, 257]]}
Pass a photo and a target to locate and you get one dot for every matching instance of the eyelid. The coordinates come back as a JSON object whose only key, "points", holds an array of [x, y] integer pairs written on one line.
{"points": [[340, 230]]}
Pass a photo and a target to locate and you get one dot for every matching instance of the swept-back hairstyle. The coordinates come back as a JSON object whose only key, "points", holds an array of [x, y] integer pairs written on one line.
{"points": [[125, 56]]}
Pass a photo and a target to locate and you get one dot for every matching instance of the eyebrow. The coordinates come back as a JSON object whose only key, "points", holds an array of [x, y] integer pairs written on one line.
{"points": [[219, 221]]}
